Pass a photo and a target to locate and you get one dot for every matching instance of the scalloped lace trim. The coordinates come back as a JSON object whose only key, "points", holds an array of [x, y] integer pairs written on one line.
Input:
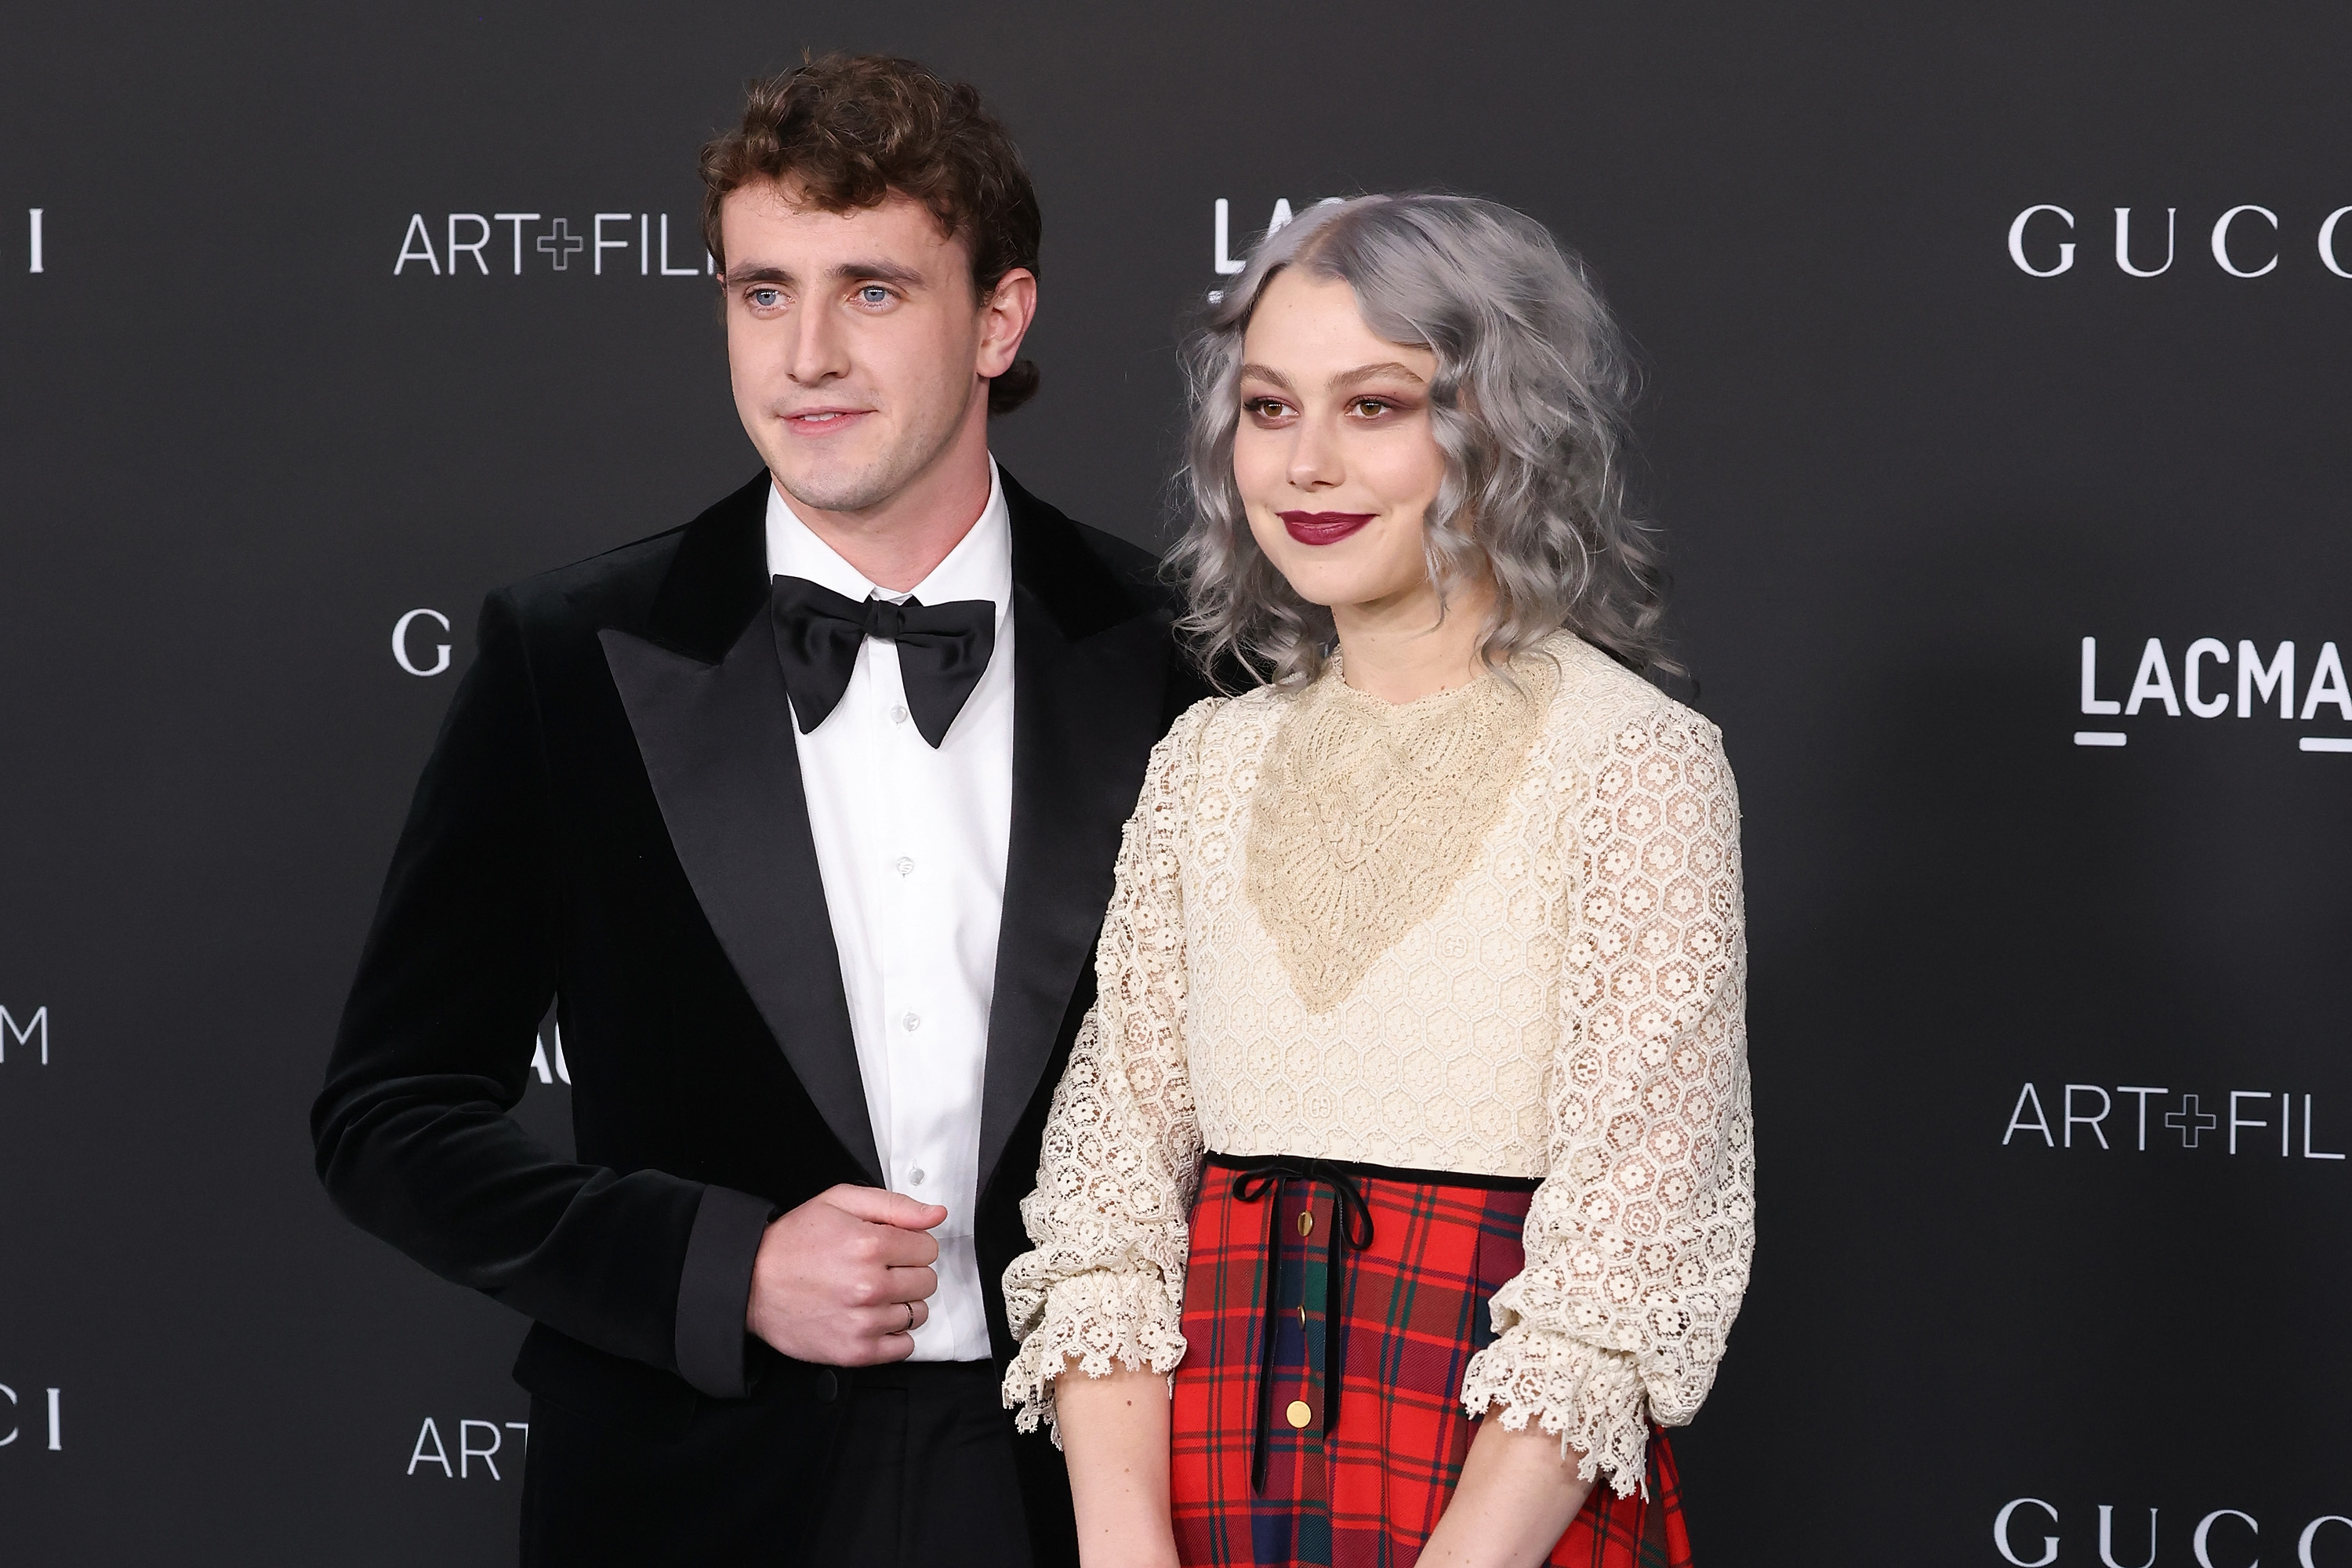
{"points": [[1590, 1399], [1097, 1318]]}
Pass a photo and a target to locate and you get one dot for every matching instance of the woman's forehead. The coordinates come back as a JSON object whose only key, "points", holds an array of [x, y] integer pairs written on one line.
{"points": [[1308, 330]]}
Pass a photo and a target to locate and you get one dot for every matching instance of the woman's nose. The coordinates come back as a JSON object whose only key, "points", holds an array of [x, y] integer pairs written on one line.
{"points": [[1315, 456]]}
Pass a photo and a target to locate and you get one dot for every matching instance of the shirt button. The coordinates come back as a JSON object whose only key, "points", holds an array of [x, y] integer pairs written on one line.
{"points": [[914, 1177], [911, 1022], [899, 713], [904, 866]]}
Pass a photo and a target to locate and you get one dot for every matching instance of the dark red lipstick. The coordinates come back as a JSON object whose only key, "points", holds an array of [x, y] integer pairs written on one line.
{"points": [[1323, 527]]}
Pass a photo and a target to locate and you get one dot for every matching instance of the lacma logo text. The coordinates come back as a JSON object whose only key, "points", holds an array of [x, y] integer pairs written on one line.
{"points": [[30, 1037], [1227, 264], [2217, 679], [550, 1067]]}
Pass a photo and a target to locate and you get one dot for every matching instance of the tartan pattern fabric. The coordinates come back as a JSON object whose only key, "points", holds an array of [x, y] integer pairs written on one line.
{"points": [[1369, 1495]]}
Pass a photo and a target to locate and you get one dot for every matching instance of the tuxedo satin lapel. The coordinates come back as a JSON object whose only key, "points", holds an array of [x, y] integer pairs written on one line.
{"points": [[717, 739], [719, 580], [1086, 710]]}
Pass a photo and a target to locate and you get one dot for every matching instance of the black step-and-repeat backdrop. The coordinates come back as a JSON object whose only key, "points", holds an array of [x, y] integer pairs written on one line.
{"points": [[1998, 382]]}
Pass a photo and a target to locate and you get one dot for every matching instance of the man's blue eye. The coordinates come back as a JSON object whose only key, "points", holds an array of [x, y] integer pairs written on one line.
{"points": [[874, 294]]}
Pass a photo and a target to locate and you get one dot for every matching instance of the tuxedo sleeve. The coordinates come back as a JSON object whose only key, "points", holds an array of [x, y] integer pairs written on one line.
{"points": [[413, 1137]]}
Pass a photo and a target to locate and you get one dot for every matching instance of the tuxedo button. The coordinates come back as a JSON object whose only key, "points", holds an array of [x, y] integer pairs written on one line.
{"points": [[914, 1177], [827, 1386], [911, 1022], [904, 865], [899, 713]]}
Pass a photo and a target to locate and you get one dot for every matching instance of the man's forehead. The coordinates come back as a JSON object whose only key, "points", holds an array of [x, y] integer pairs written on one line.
{"points": [[769, 215]]}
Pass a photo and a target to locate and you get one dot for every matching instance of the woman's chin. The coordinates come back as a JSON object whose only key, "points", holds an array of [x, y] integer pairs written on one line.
{"points": [[1332, 585]]}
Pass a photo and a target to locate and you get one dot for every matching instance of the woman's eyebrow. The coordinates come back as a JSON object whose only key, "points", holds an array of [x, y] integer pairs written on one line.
{"points": [[1346, 378], [1365, 373]]}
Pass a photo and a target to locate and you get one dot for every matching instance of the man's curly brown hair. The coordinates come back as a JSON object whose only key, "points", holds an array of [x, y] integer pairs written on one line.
{"points": [[847, 132]]}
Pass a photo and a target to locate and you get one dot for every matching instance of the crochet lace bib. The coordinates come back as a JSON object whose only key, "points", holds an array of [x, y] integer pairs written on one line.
{"points": [[1367, 814]]}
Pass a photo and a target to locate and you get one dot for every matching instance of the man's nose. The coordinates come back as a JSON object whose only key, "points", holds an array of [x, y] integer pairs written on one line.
{"points": [[818, 349]]}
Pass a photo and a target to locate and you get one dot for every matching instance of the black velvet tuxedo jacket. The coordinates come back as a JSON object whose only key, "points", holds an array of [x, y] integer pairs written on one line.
{"points": [[613, 818]]}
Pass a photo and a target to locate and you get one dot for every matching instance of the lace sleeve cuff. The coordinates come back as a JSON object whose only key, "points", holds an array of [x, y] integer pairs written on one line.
{"points": [[1590, 1398], [1098, 1318]]}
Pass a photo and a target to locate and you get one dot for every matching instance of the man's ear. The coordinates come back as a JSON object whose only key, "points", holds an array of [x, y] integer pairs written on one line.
{"points": [[1004, 318]]}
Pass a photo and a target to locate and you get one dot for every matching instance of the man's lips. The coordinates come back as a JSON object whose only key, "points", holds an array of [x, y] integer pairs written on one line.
{"points": [[1323, 527], [823, 421]]}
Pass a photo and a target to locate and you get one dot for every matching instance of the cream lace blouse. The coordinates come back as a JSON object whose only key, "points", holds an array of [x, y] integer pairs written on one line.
{"points": [[1495, 931]]}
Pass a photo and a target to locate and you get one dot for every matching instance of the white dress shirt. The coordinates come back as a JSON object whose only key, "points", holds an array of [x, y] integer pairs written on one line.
{"points": [[910, 843]]}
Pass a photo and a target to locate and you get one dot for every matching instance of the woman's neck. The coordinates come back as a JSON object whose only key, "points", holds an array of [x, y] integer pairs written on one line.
{"points": [[1402, 648]]}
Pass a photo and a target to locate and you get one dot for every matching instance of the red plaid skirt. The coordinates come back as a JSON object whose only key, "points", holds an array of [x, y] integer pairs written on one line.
{"points": [[1367, 1493]]}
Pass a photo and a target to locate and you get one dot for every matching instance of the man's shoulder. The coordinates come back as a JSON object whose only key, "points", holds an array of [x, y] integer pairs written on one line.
{"points": [[621, 587], [614, 586], [1084, 568], [1136, 570], [1130, 563]]}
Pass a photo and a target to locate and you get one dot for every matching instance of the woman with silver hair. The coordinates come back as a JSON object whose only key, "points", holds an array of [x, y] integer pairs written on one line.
{"points": [[1410, 1132]]}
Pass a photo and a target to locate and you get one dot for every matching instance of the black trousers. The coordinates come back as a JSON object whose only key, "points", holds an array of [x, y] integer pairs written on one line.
{"points": [[908, 1466], [923, 1472]]}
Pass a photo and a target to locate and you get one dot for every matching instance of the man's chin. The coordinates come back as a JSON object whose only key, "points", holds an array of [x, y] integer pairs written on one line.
{"points": [[862, 479], [841, 490]]}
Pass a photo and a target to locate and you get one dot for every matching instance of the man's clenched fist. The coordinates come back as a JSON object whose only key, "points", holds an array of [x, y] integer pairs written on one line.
{"points": [[843, 1280]]}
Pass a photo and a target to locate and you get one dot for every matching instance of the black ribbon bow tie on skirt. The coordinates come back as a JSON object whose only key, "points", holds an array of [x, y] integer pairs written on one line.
{"points": [[943, 650], [1263, 1177]]}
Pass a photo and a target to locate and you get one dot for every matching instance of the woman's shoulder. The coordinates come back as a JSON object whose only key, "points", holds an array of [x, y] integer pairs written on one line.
{"points": [[1217, 730], [1598, 707], [1239, 718]]}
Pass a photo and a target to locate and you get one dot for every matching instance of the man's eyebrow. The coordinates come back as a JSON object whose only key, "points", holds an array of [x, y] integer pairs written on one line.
{"points": [[876, 271], [846, 272]]}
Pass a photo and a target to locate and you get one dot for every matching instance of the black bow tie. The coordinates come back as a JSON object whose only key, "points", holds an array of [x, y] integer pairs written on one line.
{"points": [[943, 650]]}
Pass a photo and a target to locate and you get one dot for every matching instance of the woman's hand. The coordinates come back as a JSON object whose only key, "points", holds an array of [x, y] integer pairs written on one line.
{"points": [[1516, 1498], [1114, 1437]]}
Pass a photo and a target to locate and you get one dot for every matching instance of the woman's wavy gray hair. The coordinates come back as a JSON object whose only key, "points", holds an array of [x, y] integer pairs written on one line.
{"points": [[1529, 405]]}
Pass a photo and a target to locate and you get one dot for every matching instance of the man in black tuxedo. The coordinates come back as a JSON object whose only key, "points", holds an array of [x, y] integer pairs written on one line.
{"points": [[803, 815]]}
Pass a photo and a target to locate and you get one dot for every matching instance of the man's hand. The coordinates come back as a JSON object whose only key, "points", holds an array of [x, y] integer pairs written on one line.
{"points": [[842, 1279]]}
